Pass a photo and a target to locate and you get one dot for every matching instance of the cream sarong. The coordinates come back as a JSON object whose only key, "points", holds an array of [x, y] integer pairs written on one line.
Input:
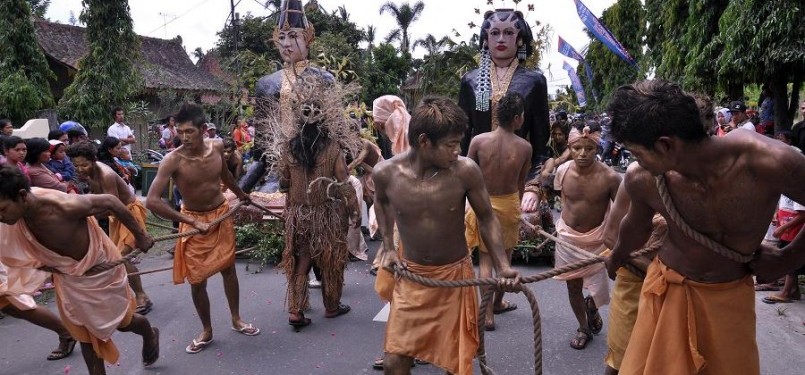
{"points": [[438, 325], [595, 276], [685, 327], [17, 285], [91, 307], [507, 210]]}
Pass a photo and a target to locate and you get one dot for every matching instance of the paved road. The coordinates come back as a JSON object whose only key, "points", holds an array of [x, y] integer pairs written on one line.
{"points": [[348, 344]]}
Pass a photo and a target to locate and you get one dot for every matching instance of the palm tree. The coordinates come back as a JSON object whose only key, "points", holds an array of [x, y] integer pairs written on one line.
{"points": [[369, 37], [405, 15], [198, 53], [432, 45], [342, 13]]}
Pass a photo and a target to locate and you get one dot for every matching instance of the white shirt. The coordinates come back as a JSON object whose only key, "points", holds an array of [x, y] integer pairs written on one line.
{"points": [[748, 125], [120, 131]]}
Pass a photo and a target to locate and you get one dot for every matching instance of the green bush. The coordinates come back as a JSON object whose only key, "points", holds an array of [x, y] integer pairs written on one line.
{"points": [[268, 239]]}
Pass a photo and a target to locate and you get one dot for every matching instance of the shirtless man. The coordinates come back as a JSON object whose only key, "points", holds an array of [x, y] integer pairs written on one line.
{"points": [[198, 169], [588, 186], [103, 180], [48, 228], [697, 307], [233, 158], [423, 191], [505, 159]]}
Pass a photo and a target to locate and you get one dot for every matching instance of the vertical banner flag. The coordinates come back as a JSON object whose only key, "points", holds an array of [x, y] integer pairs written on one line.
{"points": [[602, 33], [566, 49], [576, 83]]}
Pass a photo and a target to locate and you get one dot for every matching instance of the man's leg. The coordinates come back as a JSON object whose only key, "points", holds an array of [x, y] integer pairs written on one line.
{"points": [[485, 271], [576, 296], [610, 371], [202, 303], [396, 364], [298, 290], [44, 318], [141, 326], [497, 304], [94, 363], [232, 292], [332, 287]]}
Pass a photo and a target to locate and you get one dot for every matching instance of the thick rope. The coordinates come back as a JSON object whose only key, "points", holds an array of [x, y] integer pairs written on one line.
{"points": [[529, 295], [100, 267], [702, 239], [158, 225]]}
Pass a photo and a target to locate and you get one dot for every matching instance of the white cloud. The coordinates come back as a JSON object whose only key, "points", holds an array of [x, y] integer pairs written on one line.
{"points": [[197, 21]]}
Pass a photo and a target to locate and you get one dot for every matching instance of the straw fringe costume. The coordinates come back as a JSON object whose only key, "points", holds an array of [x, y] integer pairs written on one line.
{"points": [[315, 226]]}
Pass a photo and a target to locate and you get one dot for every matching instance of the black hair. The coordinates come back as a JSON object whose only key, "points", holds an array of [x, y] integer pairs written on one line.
{"points": [[103, 151], [523, 35], [12, 141], [74, 134], [561, 125], [436, 117], [3, 144], [115, 110], [647, 110], [509, 106], [36, 146], [229, 143], [86, 150], [11, 182], [4, 122], [193, 113], [55, 134], [306, 145]]}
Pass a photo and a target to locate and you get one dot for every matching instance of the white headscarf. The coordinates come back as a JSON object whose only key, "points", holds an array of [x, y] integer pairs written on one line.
{"points": [[390, 110]]}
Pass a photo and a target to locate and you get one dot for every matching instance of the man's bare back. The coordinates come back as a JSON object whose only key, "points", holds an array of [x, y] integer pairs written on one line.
{"points": [[586, 195], [106, 181], [742, 181], [58, 221], [504, 158], [429, 212]]}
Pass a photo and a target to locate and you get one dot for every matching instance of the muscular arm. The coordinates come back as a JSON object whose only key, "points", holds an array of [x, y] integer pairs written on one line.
{"points": [[488, 223], [154, 202], [342, 174], [616, 214], [385, 214], [361, 156], [524, 171], [84, 206], [635, 228]]}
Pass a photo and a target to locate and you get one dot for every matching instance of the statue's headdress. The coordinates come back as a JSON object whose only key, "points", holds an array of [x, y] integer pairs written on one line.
{"points": [[292, 15]]}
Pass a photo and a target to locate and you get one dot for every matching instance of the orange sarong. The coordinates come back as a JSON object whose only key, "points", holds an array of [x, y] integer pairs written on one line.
{"points": [[507, 210], [93, 307], [122, 236], [438, 325], [686, 327], [202, 255], [622, 315]]}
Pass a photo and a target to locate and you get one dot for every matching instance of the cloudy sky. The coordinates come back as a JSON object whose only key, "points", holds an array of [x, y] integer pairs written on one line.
{"points": [[197, 21]]}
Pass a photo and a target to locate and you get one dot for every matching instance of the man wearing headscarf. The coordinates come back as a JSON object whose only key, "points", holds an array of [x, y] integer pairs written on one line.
{"points": [[588, 186]]}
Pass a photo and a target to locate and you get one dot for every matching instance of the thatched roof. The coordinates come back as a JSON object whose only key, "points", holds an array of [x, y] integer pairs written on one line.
{"points": [[164, 64]]}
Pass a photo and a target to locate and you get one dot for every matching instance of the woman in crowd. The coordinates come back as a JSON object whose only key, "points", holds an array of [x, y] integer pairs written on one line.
{"points": [[109, 150], [15, 151], [38, 155]]}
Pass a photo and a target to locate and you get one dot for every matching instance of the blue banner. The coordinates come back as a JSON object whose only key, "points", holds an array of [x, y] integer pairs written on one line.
{"points": [[566, 49], [589, 72], [602, 33], [576, 83]]}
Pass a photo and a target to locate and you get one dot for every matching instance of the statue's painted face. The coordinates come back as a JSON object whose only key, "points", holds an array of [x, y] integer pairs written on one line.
{"points": [[291, 44], [502, 36]]}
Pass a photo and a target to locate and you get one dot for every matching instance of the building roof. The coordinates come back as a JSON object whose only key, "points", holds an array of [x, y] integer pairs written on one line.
{"points": [[164, 64]]}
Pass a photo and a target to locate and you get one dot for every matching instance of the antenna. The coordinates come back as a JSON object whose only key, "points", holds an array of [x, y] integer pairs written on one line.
{"points": [[165, 17]]}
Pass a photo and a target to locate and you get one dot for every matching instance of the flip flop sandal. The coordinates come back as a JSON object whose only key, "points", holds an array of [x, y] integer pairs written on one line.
{"points": [[144, 309], [378, 363], [150, 357], [197, 346], [508, 306], [775, 299], [64, 350], [594, 320], [248, 330], [342, 309], [580, 342]]}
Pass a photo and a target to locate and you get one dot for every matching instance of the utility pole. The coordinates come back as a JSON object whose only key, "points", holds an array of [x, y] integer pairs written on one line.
{"points": [[236, 36], [165, 17]]}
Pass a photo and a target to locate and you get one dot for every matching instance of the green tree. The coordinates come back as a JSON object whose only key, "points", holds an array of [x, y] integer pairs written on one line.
{"points": [[404, 15], [763, 43], [384, 72], [626, 20], [370, 38], [24, 72], [700, 72], [107, 75], [38, 7], [431, 44], [441, 73], [666, 27]]}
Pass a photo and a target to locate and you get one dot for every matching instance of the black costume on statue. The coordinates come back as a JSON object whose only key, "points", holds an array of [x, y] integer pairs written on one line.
{"points": [[533, 87]]}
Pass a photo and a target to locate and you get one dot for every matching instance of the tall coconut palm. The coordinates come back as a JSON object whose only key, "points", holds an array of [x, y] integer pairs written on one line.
{"points": [[405, 15], [432, 45], [369, 37]]}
